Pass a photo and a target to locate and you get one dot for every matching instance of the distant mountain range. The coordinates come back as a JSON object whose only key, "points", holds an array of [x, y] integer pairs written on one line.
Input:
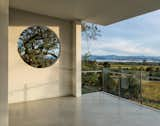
{"points": [[115, 58]]}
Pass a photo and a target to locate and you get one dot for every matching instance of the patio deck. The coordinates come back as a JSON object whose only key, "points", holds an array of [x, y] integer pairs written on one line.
{"points": [[94, 109]]}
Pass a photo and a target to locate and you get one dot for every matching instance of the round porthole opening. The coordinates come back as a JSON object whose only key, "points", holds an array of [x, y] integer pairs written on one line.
{"points": [[39, 46]]}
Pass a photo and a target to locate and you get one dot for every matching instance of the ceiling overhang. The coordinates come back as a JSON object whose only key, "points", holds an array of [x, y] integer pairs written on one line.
{"points": [[102, 12]]}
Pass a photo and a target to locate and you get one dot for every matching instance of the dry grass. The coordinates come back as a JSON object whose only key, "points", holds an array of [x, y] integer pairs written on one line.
{"points": [[151, 93]]}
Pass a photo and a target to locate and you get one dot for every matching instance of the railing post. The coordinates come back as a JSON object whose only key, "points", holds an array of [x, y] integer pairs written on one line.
{"points": [[120, 85], [103, 79], [141, 86]]}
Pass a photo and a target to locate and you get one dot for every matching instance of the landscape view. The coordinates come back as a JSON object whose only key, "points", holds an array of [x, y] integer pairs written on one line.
{"points": [[123, 59]]}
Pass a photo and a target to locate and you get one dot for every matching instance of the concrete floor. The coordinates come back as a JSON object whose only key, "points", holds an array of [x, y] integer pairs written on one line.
{"points": [[95, 109]]}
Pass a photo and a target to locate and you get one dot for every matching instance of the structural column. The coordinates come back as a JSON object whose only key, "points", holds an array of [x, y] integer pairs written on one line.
{"points": [[77, 58], [3, 62]]}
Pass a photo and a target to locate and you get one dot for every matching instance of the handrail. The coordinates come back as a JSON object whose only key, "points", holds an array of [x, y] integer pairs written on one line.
{"points": [[92, 71], [120, 73]]}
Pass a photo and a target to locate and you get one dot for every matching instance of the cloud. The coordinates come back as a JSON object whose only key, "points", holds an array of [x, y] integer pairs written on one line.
{"points": [[119, 46], [136, 36]]}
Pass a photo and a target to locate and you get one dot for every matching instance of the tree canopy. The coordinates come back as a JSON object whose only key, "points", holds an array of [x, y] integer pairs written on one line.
{"points": [[39, 46]]}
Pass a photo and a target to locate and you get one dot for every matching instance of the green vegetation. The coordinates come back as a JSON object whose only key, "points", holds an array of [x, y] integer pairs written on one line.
{"points": [[91, 82]]}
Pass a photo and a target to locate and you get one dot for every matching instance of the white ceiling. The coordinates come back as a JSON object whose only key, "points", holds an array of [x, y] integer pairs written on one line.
{"points": [[102, 12]]}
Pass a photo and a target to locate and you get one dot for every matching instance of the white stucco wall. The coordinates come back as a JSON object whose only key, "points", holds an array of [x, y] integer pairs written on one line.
{"points": [[28, 83], [3, 62]]}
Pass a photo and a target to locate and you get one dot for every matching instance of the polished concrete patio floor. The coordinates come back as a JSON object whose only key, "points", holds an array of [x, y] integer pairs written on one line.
{"points": [[95, 109]]}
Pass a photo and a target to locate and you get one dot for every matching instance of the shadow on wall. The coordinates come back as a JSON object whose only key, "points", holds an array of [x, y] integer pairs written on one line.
{"points": [[30, 83]]}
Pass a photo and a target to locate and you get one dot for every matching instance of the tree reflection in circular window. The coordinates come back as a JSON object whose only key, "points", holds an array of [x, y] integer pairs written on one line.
{"points": [[39, 46]]}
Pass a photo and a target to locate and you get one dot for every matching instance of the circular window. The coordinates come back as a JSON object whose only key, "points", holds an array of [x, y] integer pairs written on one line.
{"points": [[39, 46]]}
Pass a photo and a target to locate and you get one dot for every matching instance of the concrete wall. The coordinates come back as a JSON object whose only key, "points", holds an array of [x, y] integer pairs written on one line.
{"points": [[77, 59], [28, 83], [3, 62]]}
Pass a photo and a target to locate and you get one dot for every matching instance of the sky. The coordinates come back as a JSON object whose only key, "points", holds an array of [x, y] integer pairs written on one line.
{"points": [[138, 36]]}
